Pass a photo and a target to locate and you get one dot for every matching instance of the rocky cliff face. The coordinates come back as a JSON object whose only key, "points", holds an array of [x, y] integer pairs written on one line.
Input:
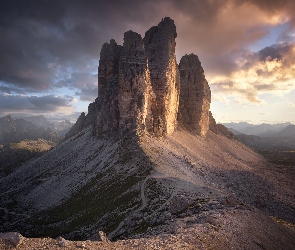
{"points": [[160, 46], [135, 93], [107, 120], [195, 96], [139, 87], [138, 84]]}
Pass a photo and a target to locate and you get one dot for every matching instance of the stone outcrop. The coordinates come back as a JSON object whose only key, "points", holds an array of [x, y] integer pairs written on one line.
{"points": [[13, 237], [107, 120], [138, 84], [77, 127], [141, 89], [212, 124], [160, 46], [135, 93], [195, 96], [219, 129]]}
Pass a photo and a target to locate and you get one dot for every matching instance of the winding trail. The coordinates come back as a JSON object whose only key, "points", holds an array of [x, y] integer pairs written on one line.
{"points": [[155, 175]]}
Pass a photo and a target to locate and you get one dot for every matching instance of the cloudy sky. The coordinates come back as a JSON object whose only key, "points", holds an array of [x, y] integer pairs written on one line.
{"points": [[50, 52]]}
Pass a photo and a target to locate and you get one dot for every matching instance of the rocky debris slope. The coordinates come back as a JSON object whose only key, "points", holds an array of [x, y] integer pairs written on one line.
{"points": [[209, 230], [127, 188], [180, 191]]}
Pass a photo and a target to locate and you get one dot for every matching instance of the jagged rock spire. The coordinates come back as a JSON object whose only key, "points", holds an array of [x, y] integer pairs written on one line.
{"points": [[140, 87], [134, 86], [160, 47], [195, 96]]}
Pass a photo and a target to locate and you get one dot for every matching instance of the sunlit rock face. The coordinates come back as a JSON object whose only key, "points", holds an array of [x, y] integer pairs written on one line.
{"points": [[135, 93], [138, 84], [160, 46], [142, 90], [195, 96]]}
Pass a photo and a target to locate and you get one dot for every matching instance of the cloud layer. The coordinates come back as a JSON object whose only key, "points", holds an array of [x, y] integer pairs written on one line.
{"points": [[271, 69], [47, 46]]}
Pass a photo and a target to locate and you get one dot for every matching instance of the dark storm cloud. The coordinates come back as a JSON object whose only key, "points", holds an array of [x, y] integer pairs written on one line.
{"points": [[275, 51], [48, 11], [85, 82], [6, 89], [47, 44], [273, 6], [48, 103]]}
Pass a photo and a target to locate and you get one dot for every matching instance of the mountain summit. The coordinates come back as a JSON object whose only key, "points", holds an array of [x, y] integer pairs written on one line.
{"points": [[141, 89], [149, 166]]}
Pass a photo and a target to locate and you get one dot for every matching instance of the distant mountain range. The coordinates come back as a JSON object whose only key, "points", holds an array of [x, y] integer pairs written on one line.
{"points": [[31, 128], [265, 136], [263, 130], [19, 129], [60, 128]]}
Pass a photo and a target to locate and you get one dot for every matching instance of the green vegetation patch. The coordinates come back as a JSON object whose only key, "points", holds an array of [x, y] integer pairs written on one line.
{"points": [[108, 195]]}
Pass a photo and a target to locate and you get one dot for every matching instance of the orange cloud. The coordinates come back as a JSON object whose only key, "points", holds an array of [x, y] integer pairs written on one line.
{"points": [[256, 76]]}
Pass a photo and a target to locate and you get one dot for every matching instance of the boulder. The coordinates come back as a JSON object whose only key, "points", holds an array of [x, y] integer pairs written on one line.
{"points": [[13, 237], [179, 204]]}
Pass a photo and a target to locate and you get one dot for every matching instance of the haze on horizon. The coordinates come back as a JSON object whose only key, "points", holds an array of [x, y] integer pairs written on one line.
{"points": [[50, 53]]}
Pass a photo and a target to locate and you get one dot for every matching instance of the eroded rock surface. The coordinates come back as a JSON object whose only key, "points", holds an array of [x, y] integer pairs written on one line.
{"points": [[134, 94], [195, 96], [107, 119], [140, 88], [160, 46]]}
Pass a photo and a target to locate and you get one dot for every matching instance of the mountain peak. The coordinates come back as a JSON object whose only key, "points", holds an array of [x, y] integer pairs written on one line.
{"points": [[141, 89]]}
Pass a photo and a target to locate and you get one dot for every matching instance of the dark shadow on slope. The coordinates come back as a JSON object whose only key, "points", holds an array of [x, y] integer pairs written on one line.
{"points": [[251, 188], [99, 205], [111, 197]]}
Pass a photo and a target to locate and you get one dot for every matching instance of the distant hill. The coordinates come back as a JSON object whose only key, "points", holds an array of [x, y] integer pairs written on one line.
{"points": [[262, 130], [288, 131], [19, 129], [60, 128], [39, 145], [40, 121], [267, 143], [238, 125], [13, 156], [234, 131]]}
